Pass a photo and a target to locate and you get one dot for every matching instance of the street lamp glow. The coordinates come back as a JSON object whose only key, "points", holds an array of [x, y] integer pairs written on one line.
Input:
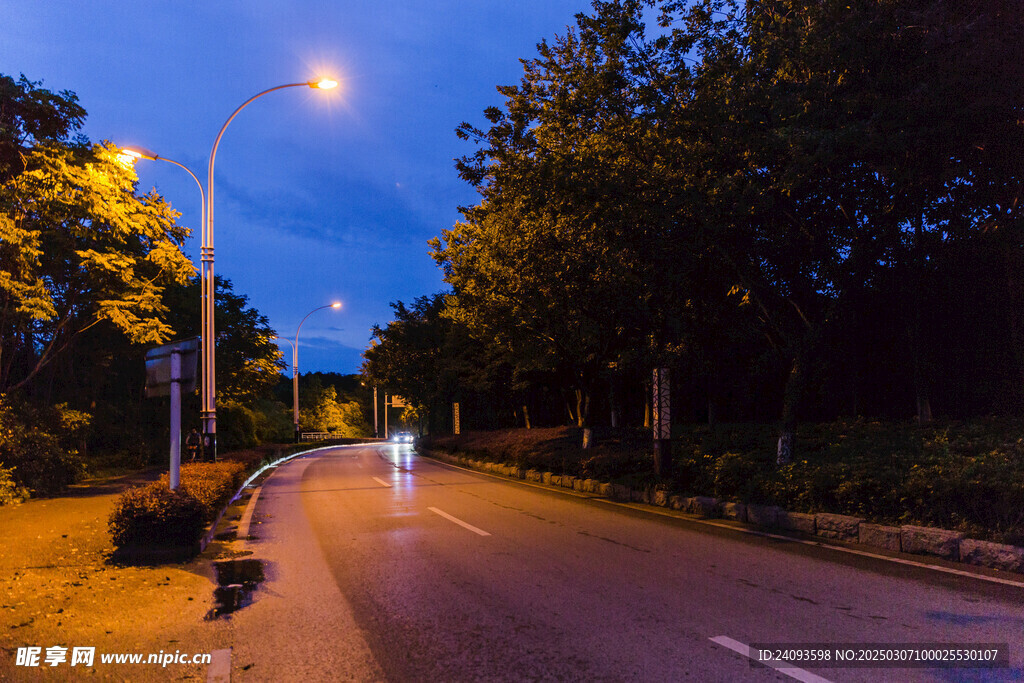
{"points": [[139, 153], [208, 410], [295, 368]]}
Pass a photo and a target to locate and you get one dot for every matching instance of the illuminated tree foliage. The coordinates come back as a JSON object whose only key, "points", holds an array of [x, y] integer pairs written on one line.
{"points": [[78, 246]]}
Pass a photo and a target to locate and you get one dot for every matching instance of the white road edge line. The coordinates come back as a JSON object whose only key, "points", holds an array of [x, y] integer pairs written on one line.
{"points": [[780, 666], [381, 482], [246, 520], [459, 522]]}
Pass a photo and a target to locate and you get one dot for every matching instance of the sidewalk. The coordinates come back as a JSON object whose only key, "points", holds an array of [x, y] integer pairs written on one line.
{"points": [[58, 588]]}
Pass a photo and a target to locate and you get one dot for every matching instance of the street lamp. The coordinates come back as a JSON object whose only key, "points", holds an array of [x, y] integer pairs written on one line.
{"points": [[295, 367], [208, 410]]}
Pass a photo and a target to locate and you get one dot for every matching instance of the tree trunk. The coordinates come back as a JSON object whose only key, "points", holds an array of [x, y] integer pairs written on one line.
{"points": [[582, 407], [526, 416], [790, 402]]}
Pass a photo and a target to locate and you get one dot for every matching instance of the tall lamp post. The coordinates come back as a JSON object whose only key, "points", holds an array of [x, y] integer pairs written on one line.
{"points": [[295, 367], [208, 410]]}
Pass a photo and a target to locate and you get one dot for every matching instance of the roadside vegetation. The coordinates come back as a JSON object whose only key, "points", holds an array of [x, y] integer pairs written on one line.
{"points": [[808, 212], [967, 476]]}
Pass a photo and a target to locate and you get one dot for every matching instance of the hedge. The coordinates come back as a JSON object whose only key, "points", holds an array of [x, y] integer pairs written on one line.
{"points": [[155, 516]]}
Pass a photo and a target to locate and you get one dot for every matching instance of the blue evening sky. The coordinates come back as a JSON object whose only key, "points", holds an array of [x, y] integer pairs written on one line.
{"points": [[319, 196]]}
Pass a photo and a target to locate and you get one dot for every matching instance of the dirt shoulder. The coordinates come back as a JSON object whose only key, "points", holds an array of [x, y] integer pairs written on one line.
{"points": [[59, 587]]}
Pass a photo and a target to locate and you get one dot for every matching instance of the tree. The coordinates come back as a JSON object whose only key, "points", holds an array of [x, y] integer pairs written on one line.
{"points": [[78, 247], [431, 360], [574, 261], [322, 411], [249, 363], [31, 115]]}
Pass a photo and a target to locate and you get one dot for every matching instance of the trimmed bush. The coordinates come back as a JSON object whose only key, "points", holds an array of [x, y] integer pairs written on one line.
{"points": [[154, 515], [210, 483]]}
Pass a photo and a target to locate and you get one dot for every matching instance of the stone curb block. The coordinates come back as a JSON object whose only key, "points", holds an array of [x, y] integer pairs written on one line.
{"points": [[879, 536], [838, 527], [995, 555], [927, 541], [620, 492], [736, 511], [703, 506], [797, 521]]}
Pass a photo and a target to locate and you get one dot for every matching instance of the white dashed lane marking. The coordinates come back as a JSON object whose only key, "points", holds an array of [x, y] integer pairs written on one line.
{"points": [[458, 521]]}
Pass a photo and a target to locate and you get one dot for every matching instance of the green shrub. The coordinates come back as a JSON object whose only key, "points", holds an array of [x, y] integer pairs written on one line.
{"points": [[10, 491], [154, 515], [40, 444], [743, 477]]}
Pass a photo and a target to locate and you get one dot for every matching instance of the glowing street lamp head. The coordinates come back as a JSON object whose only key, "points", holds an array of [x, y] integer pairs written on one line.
{"points": [[336, 304], [127, 158], [132, 154], [324, 84]]}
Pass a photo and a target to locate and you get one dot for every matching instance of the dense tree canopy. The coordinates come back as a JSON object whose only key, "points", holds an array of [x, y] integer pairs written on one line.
{"points": [[827, 177]]}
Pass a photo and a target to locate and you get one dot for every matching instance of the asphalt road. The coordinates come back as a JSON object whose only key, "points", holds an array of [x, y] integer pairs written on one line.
{"points": [[383, 565]]}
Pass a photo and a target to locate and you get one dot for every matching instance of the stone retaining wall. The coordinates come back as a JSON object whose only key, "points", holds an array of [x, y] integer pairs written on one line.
{"points": [[948, 545]]}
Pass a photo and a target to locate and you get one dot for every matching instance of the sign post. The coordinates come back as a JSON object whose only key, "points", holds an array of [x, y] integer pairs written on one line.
{"points": [[169, 369]]}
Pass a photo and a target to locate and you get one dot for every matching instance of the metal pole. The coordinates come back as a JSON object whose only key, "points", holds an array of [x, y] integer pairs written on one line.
{"points": [[376, 431], [386, 416], [295, 386], [175, 471], [295, 367], [209, 398]]}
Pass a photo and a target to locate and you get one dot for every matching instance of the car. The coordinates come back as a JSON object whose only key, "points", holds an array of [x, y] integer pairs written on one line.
{"points": [[402, 437]]}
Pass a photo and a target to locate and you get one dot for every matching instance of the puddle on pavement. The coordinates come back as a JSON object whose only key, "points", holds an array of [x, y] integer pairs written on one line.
{"points": [[236, 581]]}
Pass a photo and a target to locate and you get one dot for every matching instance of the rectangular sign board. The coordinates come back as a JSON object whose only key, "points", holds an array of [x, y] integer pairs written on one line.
{"points": [[158, 367]]}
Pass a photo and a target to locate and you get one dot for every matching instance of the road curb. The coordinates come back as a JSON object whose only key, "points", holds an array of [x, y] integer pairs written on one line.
{"points": [[827, 530]]}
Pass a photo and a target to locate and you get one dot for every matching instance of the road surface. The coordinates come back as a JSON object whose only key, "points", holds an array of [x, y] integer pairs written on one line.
{"points": [[383, 565]]}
